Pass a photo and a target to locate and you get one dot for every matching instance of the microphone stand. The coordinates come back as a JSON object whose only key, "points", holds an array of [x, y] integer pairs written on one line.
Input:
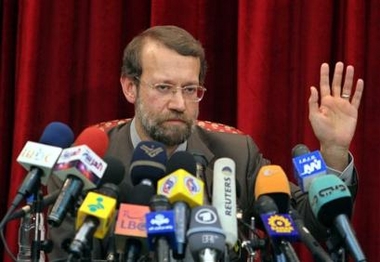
{"points": [[162, 251], [288, 251], [278, 255], [36, 246], [336, 249]]}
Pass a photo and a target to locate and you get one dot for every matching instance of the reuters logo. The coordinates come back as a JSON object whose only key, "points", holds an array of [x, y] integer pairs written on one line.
{"points": [[280, 224]]}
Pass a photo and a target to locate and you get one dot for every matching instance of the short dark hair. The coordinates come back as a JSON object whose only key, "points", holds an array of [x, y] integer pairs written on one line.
{"points": [[172, 37]]}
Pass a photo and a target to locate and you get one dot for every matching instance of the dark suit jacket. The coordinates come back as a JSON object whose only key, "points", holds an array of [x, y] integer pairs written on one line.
{"points": [[213, 145]]}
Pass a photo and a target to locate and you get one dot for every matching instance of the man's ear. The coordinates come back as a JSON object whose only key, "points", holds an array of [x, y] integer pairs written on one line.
{"points": [[129, 89]]}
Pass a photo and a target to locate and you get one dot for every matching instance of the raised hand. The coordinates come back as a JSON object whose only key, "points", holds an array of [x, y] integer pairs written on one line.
{"points": [[334, 117]]}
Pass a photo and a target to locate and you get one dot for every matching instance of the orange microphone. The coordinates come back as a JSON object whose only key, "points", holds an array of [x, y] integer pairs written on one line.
{"points": [[272, 181]]}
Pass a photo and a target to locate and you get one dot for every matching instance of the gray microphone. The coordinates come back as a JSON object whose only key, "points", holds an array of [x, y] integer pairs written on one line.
{"points": [[206, 239]]}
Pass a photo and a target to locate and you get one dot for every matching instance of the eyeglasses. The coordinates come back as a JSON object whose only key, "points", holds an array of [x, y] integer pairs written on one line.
{"points": [[193, 93]]}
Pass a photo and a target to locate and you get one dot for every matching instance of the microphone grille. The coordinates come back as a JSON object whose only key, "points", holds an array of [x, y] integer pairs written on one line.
{"points": [[184, 160], [148, 162], [57, 134]]}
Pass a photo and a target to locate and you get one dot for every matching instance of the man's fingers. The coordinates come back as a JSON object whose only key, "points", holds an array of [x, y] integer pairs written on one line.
{"points": [[356, 98], [337, 79], [324, 80]]}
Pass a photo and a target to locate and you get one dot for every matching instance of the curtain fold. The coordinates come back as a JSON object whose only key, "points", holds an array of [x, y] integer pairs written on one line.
{"points": [[60, 61]]}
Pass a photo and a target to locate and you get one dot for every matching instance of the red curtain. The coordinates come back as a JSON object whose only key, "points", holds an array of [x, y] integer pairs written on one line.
{"points": [[60, 61]]}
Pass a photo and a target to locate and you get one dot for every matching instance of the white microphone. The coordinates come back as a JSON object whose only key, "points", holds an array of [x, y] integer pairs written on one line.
{"points": [[39, 159], [224, 197]]}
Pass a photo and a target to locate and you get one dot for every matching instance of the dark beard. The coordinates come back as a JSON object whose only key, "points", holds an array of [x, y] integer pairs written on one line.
{"points": [[175, 137]]}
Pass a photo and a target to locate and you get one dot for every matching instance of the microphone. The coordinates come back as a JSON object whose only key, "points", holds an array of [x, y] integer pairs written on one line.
{"points": [[39, 159], [181, 160], [319, 254], [272, 194], [185, 161], [130, 229], [201, 164], [331, 203], [95, 215], [272, 181], [112, 165], [279, 227], [307, 165], [184, 191], [180, 185], [46, 201], [224, 197], [160, 226], [148, 163], [205, 235], [81, 169]]}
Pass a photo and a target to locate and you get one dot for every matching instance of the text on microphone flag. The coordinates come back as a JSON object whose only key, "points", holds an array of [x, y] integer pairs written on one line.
{"points": [[131, 220]]}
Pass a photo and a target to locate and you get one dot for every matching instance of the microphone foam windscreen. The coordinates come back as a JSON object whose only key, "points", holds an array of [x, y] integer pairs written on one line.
{"points": [[182, 160], [265, 205], [300, 150], [114, 172], [200, 158], [57, 134], [272, 180], [148, 162], [141, 195], [95, 138], [328, 198]]}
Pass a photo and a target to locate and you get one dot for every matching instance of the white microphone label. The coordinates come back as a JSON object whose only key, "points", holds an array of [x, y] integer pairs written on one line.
{"points": [[39, 155]]}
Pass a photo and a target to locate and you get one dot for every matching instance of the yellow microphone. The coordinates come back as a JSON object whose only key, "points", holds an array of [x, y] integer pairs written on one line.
{"points": [[97, 207], [94, 218], [180, 185], [184, 192]]}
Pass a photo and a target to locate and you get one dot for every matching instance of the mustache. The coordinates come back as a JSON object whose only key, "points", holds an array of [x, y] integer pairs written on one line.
{"points": [[177, 116]]}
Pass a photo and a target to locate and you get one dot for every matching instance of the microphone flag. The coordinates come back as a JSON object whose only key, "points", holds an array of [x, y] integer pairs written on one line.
{"points": [[99, 206], [280, 226]]}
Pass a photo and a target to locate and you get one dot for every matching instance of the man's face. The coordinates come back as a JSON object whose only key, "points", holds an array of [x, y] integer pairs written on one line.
{"points": [[166, 118]]}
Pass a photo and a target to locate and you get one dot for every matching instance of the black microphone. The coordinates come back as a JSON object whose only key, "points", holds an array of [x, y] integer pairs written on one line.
{"points": [[46, 201], [201, 165], [319, 254]]}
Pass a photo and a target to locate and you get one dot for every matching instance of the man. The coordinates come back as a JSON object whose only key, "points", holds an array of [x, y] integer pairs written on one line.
{"points": [[162, 75]]}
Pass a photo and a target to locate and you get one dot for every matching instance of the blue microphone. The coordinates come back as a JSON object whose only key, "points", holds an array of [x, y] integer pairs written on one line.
{"points": [[307, 165], [160, 227], [148, 163]]}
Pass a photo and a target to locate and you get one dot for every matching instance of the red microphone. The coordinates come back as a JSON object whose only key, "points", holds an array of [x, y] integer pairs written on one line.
{"points": [[80, 168]]}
